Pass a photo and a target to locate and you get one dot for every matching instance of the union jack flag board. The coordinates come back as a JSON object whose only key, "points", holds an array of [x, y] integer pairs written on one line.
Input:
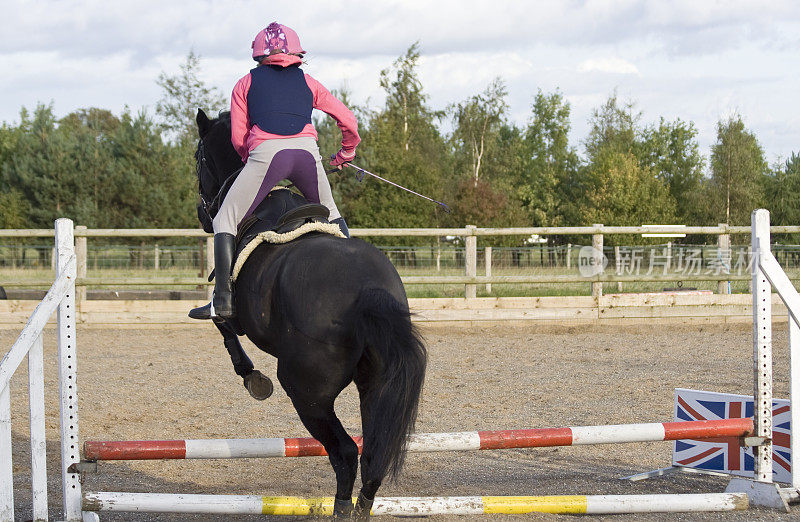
{"points": [[724, 454]]}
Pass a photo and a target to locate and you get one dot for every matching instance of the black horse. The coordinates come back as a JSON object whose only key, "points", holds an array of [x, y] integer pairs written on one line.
{"points": [[332, 311]]}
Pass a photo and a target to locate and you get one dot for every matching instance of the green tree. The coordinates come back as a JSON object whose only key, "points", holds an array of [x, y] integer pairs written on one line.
{"points": [[402, 143], [738, 168], [184, 93], [405, 102], [781, 190], [89, 133], [13, 209], [97, 169], [100, 122], [614, 126], [477, 122], [671, 151], [622, 192], [8, 140], [156, 185], [485, 152], [636, 174], [545, 184], [505, 162], [13, 205], [482, 204], [48, 168]]}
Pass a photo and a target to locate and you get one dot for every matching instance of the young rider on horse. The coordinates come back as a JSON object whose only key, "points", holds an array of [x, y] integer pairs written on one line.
{"points": [[272, 132]]}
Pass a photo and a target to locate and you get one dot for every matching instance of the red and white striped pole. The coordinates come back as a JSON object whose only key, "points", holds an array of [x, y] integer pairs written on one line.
{"points": [[422, 442]]}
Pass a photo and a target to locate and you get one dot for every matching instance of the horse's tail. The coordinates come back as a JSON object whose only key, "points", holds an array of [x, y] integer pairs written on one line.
{"points": [[390, 377]]}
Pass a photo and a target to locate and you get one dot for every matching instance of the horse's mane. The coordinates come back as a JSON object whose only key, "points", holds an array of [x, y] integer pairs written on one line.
{"points": [[223, 116], [214, 174]]}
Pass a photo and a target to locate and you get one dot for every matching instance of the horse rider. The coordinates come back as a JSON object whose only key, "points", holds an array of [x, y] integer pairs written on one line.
{"points": [[273, 133]]}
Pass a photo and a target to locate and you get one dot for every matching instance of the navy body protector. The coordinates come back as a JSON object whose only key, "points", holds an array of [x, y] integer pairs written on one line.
{"points": [[279, 100]]}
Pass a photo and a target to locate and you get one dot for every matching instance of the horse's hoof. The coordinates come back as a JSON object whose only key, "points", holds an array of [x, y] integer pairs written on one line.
{"points": [[363, 508], [258, 384], [342, 508]]}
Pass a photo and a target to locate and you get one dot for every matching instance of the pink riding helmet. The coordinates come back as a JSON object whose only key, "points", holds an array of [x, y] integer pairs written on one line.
{"points": [[276, 38]]}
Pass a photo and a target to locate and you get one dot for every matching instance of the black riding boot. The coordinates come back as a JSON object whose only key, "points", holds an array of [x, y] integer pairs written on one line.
{"points": [[221, 304], [224, 247], [342, 226]]}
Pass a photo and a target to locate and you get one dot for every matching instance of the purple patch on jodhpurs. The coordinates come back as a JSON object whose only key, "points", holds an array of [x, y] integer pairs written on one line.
{"points": [[296, 165]]}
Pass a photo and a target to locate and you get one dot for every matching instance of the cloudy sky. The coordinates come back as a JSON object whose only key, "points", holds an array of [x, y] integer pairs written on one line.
{"points": [[697, 60]]}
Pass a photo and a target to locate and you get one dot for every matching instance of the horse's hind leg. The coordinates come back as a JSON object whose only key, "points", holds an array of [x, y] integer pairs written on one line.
{"points": [[371, 477], [322, 423], [313, 389], [242, 364], [258, 384]]}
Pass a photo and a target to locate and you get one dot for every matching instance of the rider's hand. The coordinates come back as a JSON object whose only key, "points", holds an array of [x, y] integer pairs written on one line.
{"points": [[342, 157]]}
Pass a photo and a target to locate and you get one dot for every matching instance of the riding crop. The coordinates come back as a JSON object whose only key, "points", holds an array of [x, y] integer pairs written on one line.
{"points": [[362, 172]]}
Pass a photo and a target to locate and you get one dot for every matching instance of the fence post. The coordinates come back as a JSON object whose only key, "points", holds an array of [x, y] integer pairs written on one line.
{"points": [[597, 244], [209, 264], [669, 256], [81, 253], [488, 262], [201, 258], [724, 254], [155, 258], [471, 261]]}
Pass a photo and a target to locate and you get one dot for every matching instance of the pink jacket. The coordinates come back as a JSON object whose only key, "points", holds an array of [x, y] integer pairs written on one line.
{"points": [[245, 137]]}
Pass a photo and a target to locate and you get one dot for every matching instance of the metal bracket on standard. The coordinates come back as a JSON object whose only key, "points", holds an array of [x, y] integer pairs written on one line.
{"points": [[84, 466], [767, 494], [790, 495], [661, 472], [754, 441]]}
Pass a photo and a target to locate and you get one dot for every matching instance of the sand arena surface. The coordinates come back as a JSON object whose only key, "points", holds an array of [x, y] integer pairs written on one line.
{"points": [[179, 383]]}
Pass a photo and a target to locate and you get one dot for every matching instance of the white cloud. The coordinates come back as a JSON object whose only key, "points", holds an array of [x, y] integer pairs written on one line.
{"points": [[684, 58], [608, 65]]}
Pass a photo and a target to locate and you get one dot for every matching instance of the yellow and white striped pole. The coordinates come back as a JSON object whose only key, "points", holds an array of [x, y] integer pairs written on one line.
{"points": [[258, 505]]}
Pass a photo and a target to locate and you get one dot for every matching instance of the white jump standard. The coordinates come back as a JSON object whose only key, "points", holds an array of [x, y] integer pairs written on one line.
{"points": [[768, 274]]}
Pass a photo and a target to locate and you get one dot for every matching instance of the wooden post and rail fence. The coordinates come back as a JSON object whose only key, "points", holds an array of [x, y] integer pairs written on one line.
{"points": [[559, 309]]}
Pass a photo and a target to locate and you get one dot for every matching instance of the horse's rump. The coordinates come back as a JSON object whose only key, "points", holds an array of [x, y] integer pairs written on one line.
{"points": [[320, 279]]}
